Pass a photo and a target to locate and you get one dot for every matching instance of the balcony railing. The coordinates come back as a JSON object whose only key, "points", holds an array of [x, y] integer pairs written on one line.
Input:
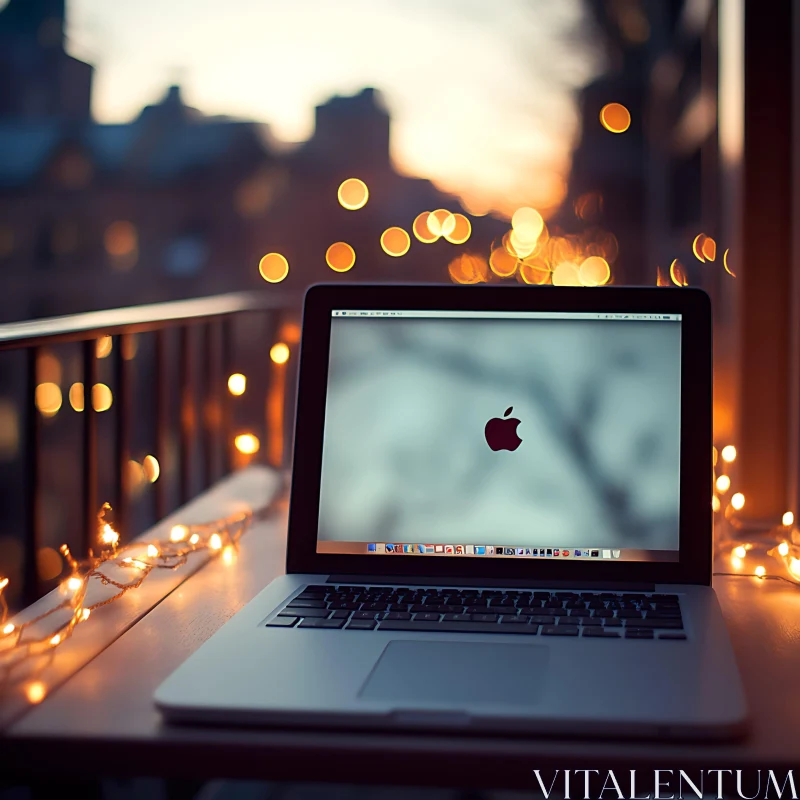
{"points": [[167, 388]]}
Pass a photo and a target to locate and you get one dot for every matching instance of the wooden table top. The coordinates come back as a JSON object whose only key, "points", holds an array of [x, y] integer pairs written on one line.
{"points": [[102, 712]]}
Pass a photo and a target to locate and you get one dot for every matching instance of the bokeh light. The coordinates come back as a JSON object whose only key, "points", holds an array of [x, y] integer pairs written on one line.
{"points": [[101, 397], [725, 263], [715, 503], [594, 271], [441, 222], [247, 443], [279, 353], [737, 501], [421, 230], [76, 396], [340, 257], [787, 519], [48, 399], [461, 230], [468, 268], [678, 274], [35, 692], [615, 117], [697, 247], [527, 224], [502, 263], [135, 474], [120, 238], [760, 571], [535, 272], [723, 483], [273, 267], [104, 346], [516, 246], [151, 468], [709, 249], [566, 274], [783, 549], [237, 384], [728, 453], [353, 194], [794, 567], [396, 242]]}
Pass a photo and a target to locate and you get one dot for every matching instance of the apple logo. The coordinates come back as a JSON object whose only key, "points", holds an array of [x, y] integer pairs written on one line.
{"points": [[501, 433]]}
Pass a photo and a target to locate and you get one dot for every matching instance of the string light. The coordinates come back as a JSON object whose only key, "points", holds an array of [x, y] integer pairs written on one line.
{"points": [[783, 549], [760, 571], [737, 501], [740, 551], [728, 453], [787, 519], [217, 537]]}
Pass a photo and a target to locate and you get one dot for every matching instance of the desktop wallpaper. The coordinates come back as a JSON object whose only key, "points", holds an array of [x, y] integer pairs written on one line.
{"points": [[406, 457]]}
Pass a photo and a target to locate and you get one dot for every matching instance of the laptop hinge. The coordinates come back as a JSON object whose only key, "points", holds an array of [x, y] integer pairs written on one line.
{"points": [[405, 580]]}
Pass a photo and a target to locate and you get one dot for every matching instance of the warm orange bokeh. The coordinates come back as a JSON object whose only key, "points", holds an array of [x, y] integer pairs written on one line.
{"points": [[725, 264], [697, 247], [615, 117], [502, 263], [566, 274], [468, 268], [340, 257], [535, 271], [441, 222], [678, 273], [461, 231], [594, 271], [353, 194], [273, 267], [421, 229], [395, 242], [709, 248]]}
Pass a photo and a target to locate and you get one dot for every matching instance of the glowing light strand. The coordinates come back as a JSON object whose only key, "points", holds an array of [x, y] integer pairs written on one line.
{"points": [[19, 643]]}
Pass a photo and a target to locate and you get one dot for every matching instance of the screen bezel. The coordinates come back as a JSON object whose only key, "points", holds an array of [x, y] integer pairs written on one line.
{"points": [[696, 477]]}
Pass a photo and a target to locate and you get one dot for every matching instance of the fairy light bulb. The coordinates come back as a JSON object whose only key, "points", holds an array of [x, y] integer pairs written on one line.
{"points": [[760, 571], [788, 519], [152, 551], [8, 629], [194, 539], [178, 533], [794, 567], [74, 583], [86, 613], [215, 542], [737, 501], [740, 551], [783, 549], [56, 640]]}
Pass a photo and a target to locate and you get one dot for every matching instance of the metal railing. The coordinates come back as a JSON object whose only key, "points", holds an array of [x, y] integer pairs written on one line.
{"points": [[202, 358]]}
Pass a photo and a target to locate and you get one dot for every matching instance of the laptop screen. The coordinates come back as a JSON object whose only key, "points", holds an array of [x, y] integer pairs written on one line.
{"points": [[475, 434]]}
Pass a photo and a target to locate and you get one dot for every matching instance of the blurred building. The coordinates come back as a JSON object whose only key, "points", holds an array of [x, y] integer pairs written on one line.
{"points": [[654, 185]]}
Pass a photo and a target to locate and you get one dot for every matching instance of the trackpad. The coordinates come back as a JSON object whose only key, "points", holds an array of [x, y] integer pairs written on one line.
{"points": [[458, 674]]}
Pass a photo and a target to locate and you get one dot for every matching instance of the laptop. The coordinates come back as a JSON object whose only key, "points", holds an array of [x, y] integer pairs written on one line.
{"points": [[500, 521]]}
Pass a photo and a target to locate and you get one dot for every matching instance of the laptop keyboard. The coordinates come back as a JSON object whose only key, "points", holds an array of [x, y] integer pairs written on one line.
{"points": [[593, 615]]}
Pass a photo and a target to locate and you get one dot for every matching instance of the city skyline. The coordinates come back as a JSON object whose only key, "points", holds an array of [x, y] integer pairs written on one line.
{"points": [[453, 74]]}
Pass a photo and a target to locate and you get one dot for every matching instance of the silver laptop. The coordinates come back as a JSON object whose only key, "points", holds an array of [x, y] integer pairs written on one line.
{"points": [[500, 521]]}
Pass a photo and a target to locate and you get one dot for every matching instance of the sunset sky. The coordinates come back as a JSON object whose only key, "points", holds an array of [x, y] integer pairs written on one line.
{"points": [[482, 92]]}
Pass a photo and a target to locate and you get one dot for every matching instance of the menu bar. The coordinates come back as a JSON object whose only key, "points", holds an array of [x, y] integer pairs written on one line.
{"points": [[491, 550], [570, 315]]}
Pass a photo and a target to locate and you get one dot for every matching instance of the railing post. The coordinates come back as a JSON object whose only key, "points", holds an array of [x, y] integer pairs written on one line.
{"points": [[208, 403], [89, 445], [187, 413], [162, 422], [122, 435], [30, 574], [226, 360]]}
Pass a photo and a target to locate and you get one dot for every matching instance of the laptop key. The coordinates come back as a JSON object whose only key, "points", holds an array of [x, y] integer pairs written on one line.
{"points": [[655, 623], [513, 619], [397, 615], [540, 619], [361, 625], [282, 622], [306, 604], [362, 615], [456, 618], [339, 615], [560, 630], [484, 617], [638, 633], [320, 613], [427, 617], [321, 623], [457, 627], [599, 633], [629, 614], [671, 635], [611, 622]]}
